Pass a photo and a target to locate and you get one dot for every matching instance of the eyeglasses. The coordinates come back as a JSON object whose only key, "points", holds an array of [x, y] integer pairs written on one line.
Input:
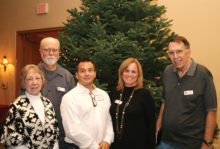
{"points": [[31, 79], [50, 49], [178, 52], [93, 99]]}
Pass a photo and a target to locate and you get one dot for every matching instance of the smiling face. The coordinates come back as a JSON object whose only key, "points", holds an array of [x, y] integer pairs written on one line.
{"points": [[130, 75], [33, 82], [86, 74], [49, 50], [179, 55]]}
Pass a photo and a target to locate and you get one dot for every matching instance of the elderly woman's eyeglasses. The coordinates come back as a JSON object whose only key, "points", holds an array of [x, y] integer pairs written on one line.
{"points": [[93, 99], [32, 79]]}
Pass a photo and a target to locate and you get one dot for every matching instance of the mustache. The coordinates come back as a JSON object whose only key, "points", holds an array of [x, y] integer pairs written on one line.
{"points": [[50, 57]]}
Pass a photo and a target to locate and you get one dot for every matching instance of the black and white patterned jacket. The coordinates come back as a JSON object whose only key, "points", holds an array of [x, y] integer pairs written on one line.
{"points": [[23, 126]]}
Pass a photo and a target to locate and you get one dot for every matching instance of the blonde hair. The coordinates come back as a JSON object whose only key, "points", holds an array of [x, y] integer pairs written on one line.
{"points": [[24, 72], [123, 66]]}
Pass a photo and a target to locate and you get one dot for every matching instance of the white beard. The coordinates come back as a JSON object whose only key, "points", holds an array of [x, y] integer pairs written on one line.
{"points": [[50, 60]]}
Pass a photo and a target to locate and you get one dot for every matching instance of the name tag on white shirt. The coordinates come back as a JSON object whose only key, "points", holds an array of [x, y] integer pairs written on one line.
{"points": [[99, 98], [189, 92], [118, 102], [61, 89]]}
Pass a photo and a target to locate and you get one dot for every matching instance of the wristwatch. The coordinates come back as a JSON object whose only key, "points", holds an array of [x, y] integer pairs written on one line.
{"points": [[208, 142]]}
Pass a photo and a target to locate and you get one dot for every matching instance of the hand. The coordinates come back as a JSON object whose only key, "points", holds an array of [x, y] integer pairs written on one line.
{"points": [[158, 126], [159, 119], [104, 145], [205, 146]]}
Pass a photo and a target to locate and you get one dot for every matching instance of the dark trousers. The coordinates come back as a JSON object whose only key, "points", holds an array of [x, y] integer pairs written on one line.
{"points": [[70, 146]]}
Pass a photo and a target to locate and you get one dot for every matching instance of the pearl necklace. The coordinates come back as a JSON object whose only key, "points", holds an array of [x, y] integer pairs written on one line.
{"points": [[119, 131]]}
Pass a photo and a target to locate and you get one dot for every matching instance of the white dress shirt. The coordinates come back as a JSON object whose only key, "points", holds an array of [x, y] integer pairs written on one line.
{"points": [[86, 125]]}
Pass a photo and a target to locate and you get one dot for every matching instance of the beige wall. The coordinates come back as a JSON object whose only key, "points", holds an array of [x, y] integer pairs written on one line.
{"points": [[199, 21], [19, 15]]}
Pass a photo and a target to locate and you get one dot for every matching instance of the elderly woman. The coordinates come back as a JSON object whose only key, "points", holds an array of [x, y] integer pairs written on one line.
{"points": [[31, 122], [132, 110]]}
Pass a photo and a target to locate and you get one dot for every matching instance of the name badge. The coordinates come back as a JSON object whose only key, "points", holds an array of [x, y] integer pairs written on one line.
{"points": [[99, 97], [118, 102], [61, 89], [189, 92]]}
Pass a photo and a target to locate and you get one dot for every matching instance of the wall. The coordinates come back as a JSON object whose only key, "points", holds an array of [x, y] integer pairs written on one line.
{"points": [[199, 21], [19, 15]]}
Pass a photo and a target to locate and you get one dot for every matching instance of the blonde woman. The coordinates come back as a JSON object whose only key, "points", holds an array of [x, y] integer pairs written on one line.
{"points": [[132, 110]]}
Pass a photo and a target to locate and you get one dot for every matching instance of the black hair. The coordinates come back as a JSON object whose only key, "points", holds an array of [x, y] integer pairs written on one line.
{"points": [[84, 60]]}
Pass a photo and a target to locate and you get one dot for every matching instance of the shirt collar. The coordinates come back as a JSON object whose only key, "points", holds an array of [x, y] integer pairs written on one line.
{"points": [[192, 69], [57, 71], [86, 90]]}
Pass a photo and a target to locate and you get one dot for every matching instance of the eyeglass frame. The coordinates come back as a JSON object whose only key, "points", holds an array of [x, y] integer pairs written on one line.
{"points": [[31, 79], [93, 99], [177, 52], [50, 50]]}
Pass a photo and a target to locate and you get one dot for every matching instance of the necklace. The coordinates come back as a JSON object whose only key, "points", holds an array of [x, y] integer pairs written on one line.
{"points": [[119, 131]]}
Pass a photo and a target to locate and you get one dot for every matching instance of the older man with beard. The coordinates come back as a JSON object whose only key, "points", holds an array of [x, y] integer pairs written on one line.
{"points": [[58, 80]]}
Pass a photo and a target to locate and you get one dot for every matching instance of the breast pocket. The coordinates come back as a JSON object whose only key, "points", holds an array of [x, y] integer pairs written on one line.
{"points": [[192, 98]]}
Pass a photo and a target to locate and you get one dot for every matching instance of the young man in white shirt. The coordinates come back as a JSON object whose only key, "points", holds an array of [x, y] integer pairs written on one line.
{"points": [[85, 112]]}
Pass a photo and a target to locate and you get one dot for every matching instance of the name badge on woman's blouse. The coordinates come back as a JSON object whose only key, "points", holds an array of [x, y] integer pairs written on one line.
{"points": [[118, 101]]}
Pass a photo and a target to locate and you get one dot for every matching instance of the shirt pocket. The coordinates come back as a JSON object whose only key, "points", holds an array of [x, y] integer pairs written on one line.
{"points": [[192, 98]]}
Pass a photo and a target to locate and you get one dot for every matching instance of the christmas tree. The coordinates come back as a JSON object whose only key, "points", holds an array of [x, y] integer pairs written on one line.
{"points": [[109, 31]]}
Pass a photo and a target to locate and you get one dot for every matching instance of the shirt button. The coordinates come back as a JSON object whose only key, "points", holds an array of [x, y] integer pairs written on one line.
{"points": [[178, 84]]}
